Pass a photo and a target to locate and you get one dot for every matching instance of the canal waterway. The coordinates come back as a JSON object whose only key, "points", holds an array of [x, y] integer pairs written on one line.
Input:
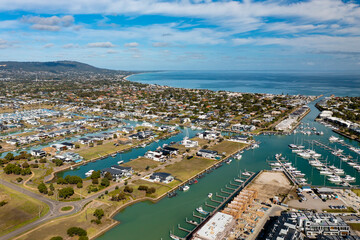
{"points": [[153, 221]]}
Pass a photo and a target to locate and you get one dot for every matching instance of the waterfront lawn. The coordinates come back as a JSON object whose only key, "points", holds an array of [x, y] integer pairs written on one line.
{"points": [[187, 168], [19, 210], [59, 227], [106, 148], [140, 164], [227, 147]]}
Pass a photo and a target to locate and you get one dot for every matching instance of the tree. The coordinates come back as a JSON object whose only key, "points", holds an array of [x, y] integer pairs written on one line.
{"points": [[95, 174], [60, 180], [128, 189], [42, 188], [58, 162], [25, 165], [9, 157], [76, 231], [73, 179], [108, 176], [51, 187], [79, 185], [95, 181], [77, 146], [99, 213], [66, 192], [105, 182]]}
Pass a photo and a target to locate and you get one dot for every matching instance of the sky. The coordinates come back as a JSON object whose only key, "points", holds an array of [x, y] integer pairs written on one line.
{"points": [[279, 35]]}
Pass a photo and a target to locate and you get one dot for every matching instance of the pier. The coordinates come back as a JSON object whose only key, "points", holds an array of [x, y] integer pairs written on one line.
{"points": [[221, 204], [287, 173]]}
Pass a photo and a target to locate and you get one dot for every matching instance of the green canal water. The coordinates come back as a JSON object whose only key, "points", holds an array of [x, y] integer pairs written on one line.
{"points": [[153, 221]]}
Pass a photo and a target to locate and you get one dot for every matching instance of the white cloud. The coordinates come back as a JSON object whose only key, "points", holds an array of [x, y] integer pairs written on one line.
{"points": [[70, 45], [49, 45], [101, 45], [53, 23], [131, 45], [160, 44], [4, 44], [321, 44]]}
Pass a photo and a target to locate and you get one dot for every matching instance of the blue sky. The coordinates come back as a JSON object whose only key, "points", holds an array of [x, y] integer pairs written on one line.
{"points": [[312, 35]]}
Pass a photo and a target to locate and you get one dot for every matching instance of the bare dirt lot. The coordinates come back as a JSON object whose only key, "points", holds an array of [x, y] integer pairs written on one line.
{"points": [[270, 184]]}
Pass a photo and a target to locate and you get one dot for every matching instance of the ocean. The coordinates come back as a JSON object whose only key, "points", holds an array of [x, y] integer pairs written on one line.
{"points": [[339, 84]]}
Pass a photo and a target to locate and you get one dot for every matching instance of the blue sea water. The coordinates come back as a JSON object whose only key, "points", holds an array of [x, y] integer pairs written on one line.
{"points": [[339, 84]]}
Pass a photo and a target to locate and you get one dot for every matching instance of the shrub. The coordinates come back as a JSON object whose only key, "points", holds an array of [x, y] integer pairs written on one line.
{"points": [[95, 181], [58, 162], [76, 231], [43, 160], [73, 179], [25, 165], [79, 185], [95, 174], [151, 190], [56, 238], [19, 179], [42, 188], [99, 213], [2, 203], [105, 182], [66, 192], [128, 189], [61, 181]]}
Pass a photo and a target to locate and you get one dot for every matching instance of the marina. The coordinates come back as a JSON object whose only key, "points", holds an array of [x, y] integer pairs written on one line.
{"points": [[214, 207]]}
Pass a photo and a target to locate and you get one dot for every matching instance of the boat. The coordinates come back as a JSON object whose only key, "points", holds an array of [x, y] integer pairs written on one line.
{"points": [[193, 222], [238, 180], [202, 211], [238, 156], [229, 161], [349, 178], [120, 162], [335, 179], [210, 195], [88, 173], [186, 188], [114, 154], [333, 139], [246, 173]]}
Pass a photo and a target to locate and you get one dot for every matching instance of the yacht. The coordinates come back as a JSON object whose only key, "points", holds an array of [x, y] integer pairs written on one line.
{"points": [[238, 156], [349, 178], [246, 173], [333, 139], [202, 211], [335, 179], [339, 171], [88, 173], [210, 195], [114, 155], [186, 188], [238, 180], [276, 164], [120, 162], [325, 172]]}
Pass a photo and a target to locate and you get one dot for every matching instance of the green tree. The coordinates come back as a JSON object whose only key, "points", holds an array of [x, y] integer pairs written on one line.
{"points": [[42, 188], [51, 187], [66, 192], [105, 182], [76, 231], [56, 238], [99, 213]]}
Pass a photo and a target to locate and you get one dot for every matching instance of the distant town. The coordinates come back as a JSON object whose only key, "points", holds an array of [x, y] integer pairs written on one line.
{"points": [[142, 142]]}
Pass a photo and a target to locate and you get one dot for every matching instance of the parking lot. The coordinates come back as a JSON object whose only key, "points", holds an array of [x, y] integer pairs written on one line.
{"points": [[314, 202]]}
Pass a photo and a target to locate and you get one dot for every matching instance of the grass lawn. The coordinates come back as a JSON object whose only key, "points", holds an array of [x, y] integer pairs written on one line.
{"points": [[20, 210], [355, 226], [60, 226], [227, 146], [66, 208], [357, 191], [347, 210], [187, 168], [99, 150], [141, 163]]}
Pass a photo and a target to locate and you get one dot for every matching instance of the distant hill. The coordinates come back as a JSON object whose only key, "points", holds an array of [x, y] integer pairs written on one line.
{"points": [[53, 67]]}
